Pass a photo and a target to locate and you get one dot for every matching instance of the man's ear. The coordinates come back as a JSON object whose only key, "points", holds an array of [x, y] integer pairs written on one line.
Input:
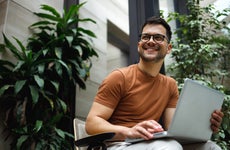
{"points": [[169, 48]]}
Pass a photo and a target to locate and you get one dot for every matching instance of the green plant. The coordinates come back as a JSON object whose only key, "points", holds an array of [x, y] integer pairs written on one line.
{"points": [[37, 87], [202, 52], [61, 39]]}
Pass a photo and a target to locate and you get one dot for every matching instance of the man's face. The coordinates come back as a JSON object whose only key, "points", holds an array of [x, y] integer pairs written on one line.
{"points": [[153, 45]]}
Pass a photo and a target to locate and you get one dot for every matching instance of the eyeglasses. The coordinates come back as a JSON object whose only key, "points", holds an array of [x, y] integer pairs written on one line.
{"points": [[158, 38]]}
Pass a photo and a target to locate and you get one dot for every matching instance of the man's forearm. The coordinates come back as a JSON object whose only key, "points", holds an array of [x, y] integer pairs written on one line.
{"points": [[98, 125]]}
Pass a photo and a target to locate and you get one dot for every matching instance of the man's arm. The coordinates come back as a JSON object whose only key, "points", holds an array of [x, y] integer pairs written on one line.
{"points": [[167, 117], [96, 122]]}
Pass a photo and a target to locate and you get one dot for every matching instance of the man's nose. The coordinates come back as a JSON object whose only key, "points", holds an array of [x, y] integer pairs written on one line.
{"points": [[152, 39]]}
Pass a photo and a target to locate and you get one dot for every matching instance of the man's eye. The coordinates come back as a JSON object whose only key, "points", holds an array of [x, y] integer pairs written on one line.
{"points": [[145, 37], [159, 37]]}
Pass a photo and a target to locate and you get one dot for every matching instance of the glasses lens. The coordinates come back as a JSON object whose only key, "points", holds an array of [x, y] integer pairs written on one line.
{"points": [[156, 37], [145, 37]]}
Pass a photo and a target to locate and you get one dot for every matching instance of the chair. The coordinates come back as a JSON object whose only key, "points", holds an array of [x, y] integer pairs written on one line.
{"points": [[83, 141], [79, 131]]}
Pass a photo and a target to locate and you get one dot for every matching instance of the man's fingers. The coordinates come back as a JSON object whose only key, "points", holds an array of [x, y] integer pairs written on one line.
{"points": [[216, 120], [144, 133]]}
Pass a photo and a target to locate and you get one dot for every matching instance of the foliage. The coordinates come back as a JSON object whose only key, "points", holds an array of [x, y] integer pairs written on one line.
{"points": [[62, 41], [36, 91], [201, 52]]}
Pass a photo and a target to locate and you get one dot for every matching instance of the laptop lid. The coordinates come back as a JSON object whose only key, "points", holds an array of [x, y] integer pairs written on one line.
{"points": [[191, 120], [193, 112]]}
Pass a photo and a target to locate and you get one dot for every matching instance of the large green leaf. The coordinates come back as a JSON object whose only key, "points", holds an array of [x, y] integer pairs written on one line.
{"points": [[4, 88], [73, 10], [38, 126], [23, 49], [87, 32], [53, 146], [79, 81], [21, 140], [6, 63], [79, 49], [69, 39], [56, 85], [60, 132], [19, 65], [12, 48], [65, 66], [87, 20], [63, 105], [58, 69], [29, 56], [51, 102], [47, 28], [19, 85], [72, 22], [55, 119], [6, 68], [41, 68], [42, 23], [54, 41], [50, 9], [48, 16], [39, 81], [58, 52], [34, 94]]}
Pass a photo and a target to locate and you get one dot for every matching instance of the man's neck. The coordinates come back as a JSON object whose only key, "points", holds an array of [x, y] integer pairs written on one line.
{"points": [[151, 68]]}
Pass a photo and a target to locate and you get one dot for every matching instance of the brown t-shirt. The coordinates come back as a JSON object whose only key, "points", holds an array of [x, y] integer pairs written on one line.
{"points": [[136, 96]]}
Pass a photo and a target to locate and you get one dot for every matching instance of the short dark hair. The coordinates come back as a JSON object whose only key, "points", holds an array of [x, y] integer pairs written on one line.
{"points": [[161, 21]]}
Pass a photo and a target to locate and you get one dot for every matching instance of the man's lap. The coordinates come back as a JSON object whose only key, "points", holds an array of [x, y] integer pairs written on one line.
{"points": [[209, 145], [166, 144]]}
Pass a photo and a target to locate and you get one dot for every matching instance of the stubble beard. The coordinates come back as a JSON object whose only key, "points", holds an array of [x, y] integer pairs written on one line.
{"points": [[157, 58]]}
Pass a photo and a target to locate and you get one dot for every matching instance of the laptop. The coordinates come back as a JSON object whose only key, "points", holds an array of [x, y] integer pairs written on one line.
{"points": [[191, 120]]}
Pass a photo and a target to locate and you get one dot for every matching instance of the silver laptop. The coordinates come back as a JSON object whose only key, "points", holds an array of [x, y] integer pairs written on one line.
{"points": [[191, 121]]}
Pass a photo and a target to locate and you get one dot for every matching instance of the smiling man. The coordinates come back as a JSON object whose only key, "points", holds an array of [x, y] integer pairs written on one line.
{"points": [[131, 100]]}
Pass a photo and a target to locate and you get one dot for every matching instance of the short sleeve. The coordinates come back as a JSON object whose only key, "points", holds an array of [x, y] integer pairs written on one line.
{"points": [[111, 89], [174, 94]]}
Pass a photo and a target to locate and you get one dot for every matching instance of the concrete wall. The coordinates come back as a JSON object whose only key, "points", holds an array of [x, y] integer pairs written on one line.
{"points": [[15, 17], [110, 57], [167, 6]]}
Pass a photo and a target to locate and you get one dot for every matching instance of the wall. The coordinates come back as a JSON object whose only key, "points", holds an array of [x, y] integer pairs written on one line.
{"points": [[102, 11], [15, 17], [167, 6]]}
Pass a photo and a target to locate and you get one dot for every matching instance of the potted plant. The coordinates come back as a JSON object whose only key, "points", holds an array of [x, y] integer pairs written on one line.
{"points": [[36, 91], [201, 52]]}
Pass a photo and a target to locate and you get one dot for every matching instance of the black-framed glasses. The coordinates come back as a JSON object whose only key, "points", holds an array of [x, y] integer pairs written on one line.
{"points": [[158, 38]]}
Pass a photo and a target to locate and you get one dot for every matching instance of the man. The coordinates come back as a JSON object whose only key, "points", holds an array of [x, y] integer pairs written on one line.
{"points": [[131, 100]]}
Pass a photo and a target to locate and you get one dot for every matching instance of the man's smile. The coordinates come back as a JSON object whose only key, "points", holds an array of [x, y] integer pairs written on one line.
{"points": [[151, 48]]}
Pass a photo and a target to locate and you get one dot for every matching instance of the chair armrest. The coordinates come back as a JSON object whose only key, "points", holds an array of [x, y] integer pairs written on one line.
{"points": [[95, 140]]}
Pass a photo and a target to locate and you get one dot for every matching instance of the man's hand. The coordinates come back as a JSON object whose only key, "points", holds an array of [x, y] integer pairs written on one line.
{"points": [[145, 130], [216, 120]]}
